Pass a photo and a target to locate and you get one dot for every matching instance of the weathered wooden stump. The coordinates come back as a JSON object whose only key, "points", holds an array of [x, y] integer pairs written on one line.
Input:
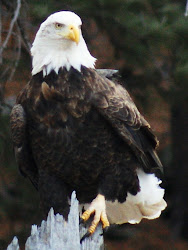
{"points": [[57, 234]]}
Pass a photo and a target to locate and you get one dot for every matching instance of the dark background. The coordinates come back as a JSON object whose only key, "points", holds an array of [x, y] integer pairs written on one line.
{"points": [[147, 40]]}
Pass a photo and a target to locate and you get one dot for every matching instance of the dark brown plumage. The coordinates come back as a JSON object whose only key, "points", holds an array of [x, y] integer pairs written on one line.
{"points": [[74, 129], [80, 131]]}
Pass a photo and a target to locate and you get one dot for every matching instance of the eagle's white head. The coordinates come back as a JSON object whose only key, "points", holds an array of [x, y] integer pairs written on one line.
{"points": [[59, 43]]}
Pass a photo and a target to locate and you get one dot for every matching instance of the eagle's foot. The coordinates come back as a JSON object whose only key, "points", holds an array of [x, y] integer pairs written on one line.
{"points": [[98, 207]]}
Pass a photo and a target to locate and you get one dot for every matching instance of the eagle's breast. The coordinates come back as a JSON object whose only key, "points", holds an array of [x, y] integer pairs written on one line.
{"points": [[59, 100]]}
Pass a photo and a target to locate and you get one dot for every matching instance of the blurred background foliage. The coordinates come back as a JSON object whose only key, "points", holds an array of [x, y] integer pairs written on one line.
{"points": [[147, 40]]}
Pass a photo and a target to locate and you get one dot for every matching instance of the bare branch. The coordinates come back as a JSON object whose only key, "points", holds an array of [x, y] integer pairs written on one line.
{"points": [[16, 14], [25, 39], [186, 9], [5, 71], [9, 106], [16, 60]]}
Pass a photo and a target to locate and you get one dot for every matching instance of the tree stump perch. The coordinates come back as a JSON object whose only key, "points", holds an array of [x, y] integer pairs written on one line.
{"points": [[57, 234]]}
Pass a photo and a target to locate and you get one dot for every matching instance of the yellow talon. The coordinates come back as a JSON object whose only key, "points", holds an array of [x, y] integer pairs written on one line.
{"points": [[85, 216], [105, 222], [104, 225], [98, 207], [92, 229]]}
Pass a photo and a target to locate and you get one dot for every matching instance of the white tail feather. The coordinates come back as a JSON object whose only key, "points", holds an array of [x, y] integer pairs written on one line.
{"points": [[148, 203]]}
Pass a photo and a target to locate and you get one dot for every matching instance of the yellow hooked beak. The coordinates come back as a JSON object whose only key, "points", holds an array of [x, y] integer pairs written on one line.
{"points": [[73, 34]]}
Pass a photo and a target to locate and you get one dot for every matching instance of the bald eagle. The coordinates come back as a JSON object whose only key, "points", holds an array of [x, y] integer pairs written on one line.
{"points": [[74, 129]]}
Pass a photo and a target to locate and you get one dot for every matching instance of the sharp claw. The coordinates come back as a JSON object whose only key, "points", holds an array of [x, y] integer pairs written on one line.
{"points": [[81, 221], [105, 230], [104, 220], [85, 236], [98, 208]]}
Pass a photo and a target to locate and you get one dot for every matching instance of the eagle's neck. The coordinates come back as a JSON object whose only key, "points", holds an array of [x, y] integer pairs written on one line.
{"points": [[53, 55]]}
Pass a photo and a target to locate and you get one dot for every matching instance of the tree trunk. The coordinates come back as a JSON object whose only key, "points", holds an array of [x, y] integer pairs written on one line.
{"points": [[58, 234]]}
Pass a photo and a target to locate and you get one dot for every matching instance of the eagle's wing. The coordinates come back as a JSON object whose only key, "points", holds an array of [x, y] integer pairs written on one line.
{"points": [[25, 161], [116, 105]]}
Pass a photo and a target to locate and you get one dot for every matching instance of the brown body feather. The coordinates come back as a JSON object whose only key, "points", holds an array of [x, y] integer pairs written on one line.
{"points": [[80, 131]]}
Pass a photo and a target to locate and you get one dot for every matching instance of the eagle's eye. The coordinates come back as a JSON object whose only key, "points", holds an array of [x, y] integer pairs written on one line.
{"points": [[58, 25]]}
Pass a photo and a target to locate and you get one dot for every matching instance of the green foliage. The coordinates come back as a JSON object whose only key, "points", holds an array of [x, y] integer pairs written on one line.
{"points": [[150, 35]]}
